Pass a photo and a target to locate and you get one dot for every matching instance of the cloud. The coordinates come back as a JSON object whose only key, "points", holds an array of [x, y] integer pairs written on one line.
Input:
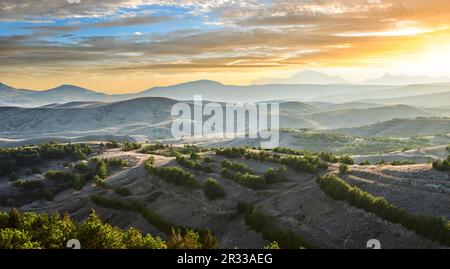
{"points": [[247, 35], [126, 21]]}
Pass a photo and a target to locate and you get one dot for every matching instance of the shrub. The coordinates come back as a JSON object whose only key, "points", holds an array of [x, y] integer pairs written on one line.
{"points": [[272, 175], [113, 145], [231, 152], [235, 166], [116, 162], [346, 160], [308, 164], [28, 184], [183, 161], [149, 149], [398, 163], [273, 245], [366, 162], [442, 165], [435, 228], [343, 169], [328, 157], [213, 190], [99, 181], [129, 146], [247, 180], [176, 176]]}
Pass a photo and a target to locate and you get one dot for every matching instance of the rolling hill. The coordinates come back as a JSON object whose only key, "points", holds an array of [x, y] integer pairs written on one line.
{"points": [[360, 117], [401, 128]]}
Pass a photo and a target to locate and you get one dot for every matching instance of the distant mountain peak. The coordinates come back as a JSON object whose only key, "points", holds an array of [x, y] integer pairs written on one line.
{"points": [[399, 80], [303, 77], [202, 82]]}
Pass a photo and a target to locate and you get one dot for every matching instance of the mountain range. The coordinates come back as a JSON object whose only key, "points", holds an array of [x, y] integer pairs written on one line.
{"points": [[416, 95]]}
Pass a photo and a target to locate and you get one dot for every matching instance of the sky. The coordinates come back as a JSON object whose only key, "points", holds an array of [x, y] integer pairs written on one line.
{"points": [[125, 46]]}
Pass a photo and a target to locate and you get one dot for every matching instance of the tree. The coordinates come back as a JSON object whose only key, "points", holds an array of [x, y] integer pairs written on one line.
{"points": [[343, 169], [213, 190]]}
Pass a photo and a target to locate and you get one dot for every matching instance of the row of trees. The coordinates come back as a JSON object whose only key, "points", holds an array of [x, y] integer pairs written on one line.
{"points": [[129, 146], [175, 175], [245, 179], [307, 163], [435, 228], [267, 226], [180, 237], [192, 163], [150, 149], [235, 166]]}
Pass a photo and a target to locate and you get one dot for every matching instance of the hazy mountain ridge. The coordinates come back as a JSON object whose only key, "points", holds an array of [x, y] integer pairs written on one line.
{"points": [[304, 77], [215, 91]]}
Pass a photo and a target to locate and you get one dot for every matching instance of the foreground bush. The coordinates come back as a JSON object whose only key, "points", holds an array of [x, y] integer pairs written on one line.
{"points": [[32, 230], [435, 228], [213, 190]]}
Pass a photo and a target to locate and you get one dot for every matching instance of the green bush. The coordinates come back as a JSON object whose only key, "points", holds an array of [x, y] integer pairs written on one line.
{"points": [[343, 169], [231, 152], [116, 162], [129, 146], [398, 163], [113, 145], [176, 176], [235, 166], [308, 164], [272, 175], [150, 149], [346, 160], [435, 228], [33, 231], [442, 165], [247, 180], [366, 162], [28, 184], [183, 161], [213, 190]]}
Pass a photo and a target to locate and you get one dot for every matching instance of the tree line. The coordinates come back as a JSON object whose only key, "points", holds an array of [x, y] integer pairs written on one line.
{"points": [[435, 228]]}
